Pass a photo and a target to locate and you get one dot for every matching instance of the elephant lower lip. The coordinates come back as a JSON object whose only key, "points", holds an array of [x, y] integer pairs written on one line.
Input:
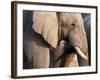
{"points": [[80, 53]]}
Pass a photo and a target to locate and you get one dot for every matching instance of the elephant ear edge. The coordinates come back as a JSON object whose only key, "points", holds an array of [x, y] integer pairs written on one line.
{"points": [[46, 24]]}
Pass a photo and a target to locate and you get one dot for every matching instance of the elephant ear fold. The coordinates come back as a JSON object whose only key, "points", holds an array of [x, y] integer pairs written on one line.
{"points": [[46, 24]]}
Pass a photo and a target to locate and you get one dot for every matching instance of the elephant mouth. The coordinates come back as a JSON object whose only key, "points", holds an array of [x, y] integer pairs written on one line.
{"points": [[77, 50]]}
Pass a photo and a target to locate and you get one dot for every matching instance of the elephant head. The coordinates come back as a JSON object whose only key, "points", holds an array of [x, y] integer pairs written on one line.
{"points": [[72, 30], [55, 27]]}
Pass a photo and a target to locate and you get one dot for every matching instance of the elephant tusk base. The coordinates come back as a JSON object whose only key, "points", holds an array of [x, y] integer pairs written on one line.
{"points": [[81, 53]]}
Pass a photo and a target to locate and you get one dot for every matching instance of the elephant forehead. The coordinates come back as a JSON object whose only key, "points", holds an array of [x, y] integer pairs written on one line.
{"points": [[66, 17], [70, 17], [68, 20], [78, 19]]}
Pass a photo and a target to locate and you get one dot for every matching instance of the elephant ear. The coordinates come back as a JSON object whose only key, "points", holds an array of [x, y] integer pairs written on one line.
{"points": [[46, 24]]}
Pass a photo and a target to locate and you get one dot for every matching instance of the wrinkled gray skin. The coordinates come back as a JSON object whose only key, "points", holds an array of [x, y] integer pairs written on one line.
{"points": [[71, 29], [87, 26]]}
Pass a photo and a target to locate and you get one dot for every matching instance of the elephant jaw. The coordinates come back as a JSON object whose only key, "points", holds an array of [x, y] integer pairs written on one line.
{"points": [[80, 53]]}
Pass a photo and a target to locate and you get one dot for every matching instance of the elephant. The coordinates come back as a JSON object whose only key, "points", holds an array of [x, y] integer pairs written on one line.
{"points": [[34, 44], [54, 31], [30, 44], [76, 33], [71, 29]]}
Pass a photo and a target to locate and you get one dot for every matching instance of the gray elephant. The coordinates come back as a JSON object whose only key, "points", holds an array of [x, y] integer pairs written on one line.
{"points": [[71, 29], [34, 44], [49, 29]]}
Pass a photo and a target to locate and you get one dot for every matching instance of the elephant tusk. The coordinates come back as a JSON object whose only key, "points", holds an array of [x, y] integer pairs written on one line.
{"points": [[80, 53]]}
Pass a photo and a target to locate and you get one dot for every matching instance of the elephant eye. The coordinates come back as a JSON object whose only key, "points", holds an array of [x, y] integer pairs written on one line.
{"points": [[73, 24]]}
